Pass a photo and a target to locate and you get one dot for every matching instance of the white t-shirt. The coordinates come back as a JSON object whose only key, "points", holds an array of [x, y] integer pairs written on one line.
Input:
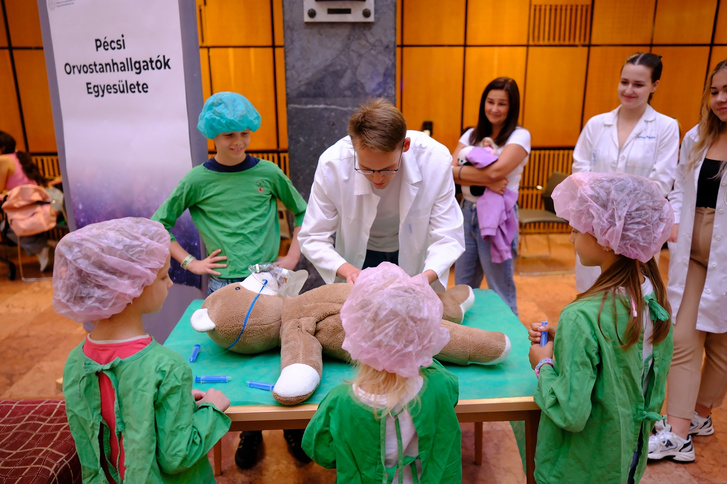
{"points": [[520, 136], [384, 233]]}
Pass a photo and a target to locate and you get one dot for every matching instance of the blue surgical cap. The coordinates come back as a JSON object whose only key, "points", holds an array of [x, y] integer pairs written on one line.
{"points": [[226, 112]]}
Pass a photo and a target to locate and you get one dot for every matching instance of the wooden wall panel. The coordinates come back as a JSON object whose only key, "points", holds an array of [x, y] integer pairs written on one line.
{"points": [[282, 104], [482, 65], [3, 31], [680, 90], [398, 77], [553, 93], [232, 22], [10, 114], [278, 22], [719, 53], [622, 21], [204, 62], [250, 72], [496, 22], [604, 74], [675, 24], [720, 33], [24, 23], [433, 22], [431, 87], [35, 98]]}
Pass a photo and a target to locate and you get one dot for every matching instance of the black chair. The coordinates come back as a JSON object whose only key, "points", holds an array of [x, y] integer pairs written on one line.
{"points": [[529, 216]]}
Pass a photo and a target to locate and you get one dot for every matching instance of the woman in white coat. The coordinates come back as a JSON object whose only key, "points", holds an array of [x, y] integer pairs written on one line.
{"points": [[633, 138], [697, 288]]}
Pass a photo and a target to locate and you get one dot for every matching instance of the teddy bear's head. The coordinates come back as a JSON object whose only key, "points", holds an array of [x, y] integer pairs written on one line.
{"points": [[241, 318]]}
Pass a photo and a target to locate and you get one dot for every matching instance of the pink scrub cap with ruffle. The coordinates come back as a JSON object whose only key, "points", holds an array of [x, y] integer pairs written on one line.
{"points": [[393, 321], [626, 213], [100, 268]]}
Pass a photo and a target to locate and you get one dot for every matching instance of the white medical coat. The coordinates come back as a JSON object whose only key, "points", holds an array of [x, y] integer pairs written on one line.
{"points": [[651, 149], [431, 234], [713, 301]]}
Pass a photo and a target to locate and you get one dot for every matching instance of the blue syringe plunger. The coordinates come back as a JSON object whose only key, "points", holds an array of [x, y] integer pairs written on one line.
{"points": [[544, 334], [195, 353], [211, 379], [261, 386]]}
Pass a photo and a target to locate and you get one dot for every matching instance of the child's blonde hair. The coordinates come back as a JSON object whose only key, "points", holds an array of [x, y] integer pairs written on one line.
{"points": [[395, 388]]}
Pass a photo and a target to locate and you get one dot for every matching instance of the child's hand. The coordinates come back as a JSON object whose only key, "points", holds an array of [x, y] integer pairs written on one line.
{"points": [[287, 262], [538, 353], [215, 397], [197, 394], [536, 329], [208, 265]]}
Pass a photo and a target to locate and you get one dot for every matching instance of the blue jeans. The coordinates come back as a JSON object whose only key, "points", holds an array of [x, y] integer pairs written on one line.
{"points": [[214, 283], [477, 261]]}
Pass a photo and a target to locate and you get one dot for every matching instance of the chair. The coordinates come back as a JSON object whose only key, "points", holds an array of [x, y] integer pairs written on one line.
{"points": [[53, 197], [529, 216]]}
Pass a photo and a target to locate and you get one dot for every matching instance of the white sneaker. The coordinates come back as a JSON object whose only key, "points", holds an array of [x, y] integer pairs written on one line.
{"points": [[699, 426], [667, 444], [45, 258]]}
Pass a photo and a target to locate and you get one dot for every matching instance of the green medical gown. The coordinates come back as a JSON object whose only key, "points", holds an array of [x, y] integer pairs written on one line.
{"points": [[344, 433], [593, 401], [166, 437]]}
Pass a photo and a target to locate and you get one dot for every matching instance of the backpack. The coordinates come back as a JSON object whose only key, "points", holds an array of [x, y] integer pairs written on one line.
{"points": [[29, 210]]}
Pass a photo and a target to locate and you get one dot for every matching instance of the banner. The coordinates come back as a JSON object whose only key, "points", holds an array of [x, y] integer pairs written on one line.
{"points": [[119, 68]]}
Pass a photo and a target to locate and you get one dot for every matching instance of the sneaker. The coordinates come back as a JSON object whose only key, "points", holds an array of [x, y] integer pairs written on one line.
{"points": [[667, 444], [699, 426], [45, 258], [294, 437], [246, 455]]}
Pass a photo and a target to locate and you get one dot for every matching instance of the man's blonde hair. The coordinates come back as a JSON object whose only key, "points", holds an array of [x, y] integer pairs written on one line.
{"points": [[378, 126]]}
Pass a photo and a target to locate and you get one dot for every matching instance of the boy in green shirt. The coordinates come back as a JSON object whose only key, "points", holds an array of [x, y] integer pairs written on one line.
{"points": [[232, 201]]}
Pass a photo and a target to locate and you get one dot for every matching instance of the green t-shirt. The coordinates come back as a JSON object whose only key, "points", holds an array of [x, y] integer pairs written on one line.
{"points": [[166, 436], [235, 211]]}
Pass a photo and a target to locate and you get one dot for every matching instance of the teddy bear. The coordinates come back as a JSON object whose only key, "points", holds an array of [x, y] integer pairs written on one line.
{"points": [[252, 316]]}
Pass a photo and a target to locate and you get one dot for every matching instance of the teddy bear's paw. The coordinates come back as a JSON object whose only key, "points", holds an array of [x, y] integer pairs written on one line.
{"points": [[505, 352], [296, 383], [456, 302], [201, 321]]}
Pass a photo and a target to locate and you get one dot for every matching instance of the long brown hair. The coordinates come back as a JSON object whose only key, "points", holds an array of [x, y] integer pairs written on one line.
{"points": [[484, 127], [31, 170], [710, 126], [622, 280]]}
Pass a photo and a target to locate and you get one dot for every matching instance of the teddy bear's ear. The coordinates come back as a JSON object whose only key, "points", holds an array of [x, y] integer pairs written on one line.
{"points": [[201, 321]]}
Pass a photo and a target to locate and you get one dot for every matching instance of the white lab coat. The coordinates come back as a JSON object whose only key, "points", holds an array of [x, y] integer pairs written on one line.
{"points": [[713, 302], [431, 235], [651, 151]]}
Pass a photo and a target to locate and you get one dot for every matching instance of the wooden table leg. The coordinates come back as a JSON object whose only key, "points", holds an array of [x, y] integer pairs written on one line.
{"points": [[478, 443], [531, 437], [217, 458]]}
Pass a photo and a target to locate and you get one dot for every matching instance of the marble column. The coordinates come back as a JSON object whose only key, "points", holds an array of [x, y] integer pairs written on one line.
{"points": [[330, 70]]}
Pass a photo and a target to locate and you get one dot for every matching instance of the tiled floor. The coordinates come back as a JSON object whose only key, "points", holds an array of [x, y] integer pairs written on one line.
{"points": [[34, 343]]}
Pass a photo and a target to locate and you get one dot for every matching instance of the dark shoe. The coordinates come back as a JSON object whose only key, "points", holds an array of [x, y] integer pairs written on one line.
{"points": [[294, 437], [247, 450]]}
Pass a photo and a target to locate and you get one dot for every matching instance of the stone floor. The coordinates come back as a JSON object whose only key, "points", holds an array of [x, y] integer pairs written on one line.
{"points": [[34, 343]]}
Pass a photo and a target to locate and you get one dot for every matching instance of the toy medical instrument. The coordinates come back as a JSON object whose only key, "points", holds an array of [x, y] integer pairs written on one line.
{"points": [[195, 353], [212, 379]]}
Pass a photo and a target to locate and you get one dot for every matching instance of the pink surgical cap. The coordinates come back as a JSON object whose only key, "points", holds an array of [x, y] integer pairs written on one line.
{"points": [[626, 213], [393, 321], [100, 268]]}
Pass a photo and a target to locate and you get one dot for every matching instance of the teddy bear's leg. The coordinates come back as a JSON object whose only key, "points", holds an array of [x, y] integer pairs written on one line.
{"points": [[472, 345], [456, 302], [300, 362]]}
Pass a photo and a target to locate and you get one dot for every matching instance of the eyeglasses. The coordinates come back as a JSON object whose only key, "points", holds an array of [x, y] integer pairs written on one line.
{"points": [[380, 172]]}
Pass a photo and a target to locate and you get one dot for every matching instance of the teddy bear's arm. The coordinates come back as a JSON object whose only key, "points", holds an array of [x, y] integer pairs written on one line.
{"points": [[472, 345]]}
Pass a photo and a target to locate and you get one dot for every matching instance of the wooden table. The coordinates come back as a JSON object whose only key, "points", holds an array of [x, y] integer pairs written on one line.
{"points": [[501, 392]]}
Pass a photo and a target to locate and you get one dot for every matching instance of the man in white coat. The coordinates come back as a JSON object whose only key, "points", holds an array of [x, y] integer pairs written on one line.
{"points": [[388, 195]]}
